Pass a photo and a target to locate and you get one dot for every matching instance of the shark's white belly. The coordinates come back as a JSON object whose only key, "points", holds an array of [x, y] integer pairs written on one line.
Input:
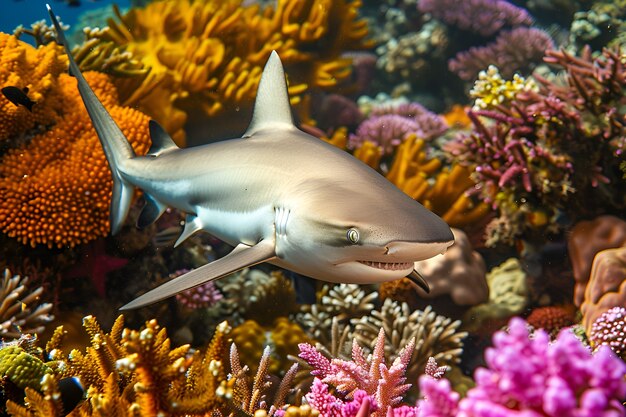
{"points": [[234, 227]]}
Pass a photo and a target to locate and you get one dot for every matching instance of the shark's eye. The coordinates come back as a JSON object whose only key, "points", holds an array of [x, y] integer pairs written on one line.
{"points": [[353, 236]]}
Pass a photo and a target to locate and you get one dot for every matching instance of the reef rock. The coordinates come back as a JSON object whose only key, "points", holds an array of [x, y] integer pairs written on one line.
{"points": [[586, 240], [607, 285]]}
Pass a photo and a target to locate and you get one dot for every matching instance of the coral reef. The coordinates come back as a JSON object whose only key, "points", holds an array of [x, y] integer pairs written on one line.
{"points": [[586, 239], [127, 371], [547, 380], [508, 295], [21, 368], [459, 273], [435, 335], [609, 329], [200, 52], [520, 49], [202, 296], [485, 17], [606, 287], [56, 186], [21, 309], [551, 156]]}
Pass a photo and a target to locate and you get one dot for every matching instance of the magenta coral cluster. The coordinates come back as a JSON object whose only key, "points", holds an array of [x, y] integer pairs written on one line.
{"points": [[485, 17], [388, 126], [551, 156], [515, 50], [610, 330], [320, 398], [526, 375]]}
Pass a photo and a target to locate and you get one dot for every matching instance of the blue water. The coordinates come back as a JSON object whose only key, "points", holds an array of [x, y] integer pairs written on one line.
{"points": [[24, 12]]}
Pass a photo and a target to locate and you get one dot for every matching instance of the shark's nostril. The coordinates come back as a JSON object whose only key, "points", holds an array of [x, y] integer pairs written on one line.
{"points": [[386, 250]]}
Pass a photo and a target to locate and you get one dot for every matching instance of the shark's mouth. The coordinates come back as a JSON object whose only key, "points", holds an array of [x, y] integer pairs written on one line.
{"points": [[389, 266]]}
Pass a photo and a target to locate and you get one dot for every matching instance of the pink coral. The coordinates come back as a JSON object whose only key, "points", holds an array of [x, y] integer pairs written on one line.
{"points": [[485, 17], [202, 296], [610, 330]]}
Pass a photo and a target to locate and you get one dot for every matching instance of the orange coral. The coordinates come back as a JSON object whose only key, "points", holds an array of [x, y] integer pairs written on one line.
{"points": [[201, 54], [56, 187], [38, 69], [552, 318]]}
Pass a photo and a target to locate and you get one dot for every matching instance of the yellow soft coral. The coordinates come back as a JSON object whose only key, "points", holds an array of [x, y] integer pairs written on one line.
{"points": [[203, 59], [37, 69], [56, 187]]}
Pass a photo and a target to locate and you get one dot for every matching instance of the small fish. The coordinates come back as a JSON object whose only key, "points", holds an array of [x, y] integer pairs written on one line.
{"points": [[18, 96]]}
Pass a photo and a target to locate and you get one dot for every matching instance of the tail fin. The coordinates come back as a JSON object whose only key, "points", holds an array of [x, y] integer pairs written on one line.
{"points": [[115, 145]]}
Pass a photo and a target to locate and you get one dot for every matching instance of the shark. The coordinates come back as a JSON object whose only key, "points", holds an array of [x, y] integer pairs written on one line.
{"points": [[276, 195]]}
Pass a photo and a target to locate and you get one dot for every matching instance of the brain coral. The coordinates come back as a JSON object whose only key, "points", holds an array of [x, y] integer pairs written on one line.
{"points": [[203, 60], [55, 183]]}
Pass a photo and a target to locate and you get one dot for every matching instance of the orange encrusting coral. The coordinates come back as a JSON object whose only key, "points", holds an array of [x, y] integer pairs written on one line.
{"points": [[56, 187], [37, 69], [201, 55]]}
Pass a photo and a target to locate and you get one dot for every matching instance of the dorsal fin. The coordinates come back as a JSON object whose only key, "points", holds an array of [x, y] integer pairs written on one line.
{"points": [[271, 108], [161, 141]]}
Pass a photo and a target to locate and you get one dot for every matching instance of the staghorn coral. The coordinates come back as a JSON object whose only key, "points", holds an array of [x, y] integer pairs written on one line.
{"points": [[133, 372], [436, 336], [508, 295], [20, 308], [586, 239], [520, 49], [200, 52], [371, 375], [609, 329], [56, 187], [459, 273], [551, 157], [606, 287]]}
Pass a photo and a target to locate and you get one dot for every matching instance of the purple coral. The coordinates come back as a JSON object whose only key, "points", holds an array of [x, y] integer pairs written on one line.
{"points": [[485, 17], [528, 376], [202, 296], [439, 399], [320, 399], [515, 50], [610, 330], [389, 126]]}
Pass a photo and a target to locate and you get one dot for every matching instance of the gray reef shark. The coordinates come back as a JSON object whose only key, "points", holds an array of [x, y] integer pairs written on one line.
{"points": [[277, 195]]}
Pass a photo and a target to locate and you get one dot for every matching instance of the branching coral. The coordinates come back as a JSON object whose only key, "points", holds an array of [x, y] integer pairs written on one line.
{"points": [[20, 309], [56, 185], [554, 152], [128, 372], [436, 336], [200, 52], [385, 383]]}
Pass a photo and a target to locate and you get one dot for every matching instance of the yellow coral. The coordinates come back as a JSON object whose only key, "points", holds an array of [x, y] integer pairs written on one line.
{"points": [[201, 55], [490, 89], [56, 188], [134, 372], [38, 69]]}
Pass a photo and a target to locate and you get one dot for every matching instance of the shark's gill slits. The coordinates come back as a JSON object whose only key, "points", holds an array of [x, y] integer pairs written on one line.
{"points": [[390, 266]]}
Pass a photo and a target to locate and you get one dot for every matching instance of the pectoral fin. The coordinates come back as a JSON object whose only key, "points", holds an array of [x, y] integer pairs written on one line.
{"points": [[417, 279], [241, 257]]}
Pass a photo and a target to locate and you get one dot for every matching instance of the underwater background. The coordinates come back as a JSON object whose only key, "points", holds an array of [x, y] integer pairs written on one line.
{"points": [[505, 118]]}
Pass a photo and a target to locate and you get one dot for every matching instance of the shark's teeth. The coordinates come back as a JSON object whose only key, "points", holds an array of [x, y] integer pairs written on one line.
{"points": [[390, 266]]}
